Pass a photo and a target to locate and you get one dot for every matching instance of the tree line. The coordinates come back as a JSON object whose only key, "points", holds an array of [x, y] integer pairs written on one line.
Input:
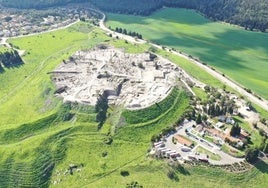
{"points": [[125, 32], [9, 59]]}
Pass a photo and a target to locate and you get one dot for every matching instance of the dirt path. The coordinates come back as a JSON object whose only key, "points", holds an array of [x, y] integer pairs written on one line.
{"points": [[227, 81]]}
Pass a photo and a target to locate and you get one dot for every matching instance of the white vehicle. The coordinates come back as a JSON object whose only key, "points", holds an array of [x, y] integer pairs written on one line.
{"points": [[161, 149], [158, 143], [161, 145], [164, 151]]}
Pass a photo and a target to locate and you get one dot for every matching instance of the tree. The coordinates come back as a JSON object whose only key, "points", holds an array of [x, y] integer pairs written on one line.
{"points": [[217, 110], [193, 114], [235, 130], [10, 59], [207, 89], [198, 119], [252, 155], [82, 19], [134, 185], [212, 110], [262, 132], [204, 118]]}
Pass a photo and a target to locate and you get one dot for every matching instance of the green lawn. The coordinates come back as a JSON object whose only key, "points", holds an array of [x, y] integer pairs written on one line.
{"points": [[240, 54]]}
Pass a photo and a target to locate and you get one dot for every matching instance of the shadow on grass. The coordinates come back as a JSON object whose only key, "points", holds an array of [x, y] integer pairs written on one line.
{"points": [[262, 166], [183, 170]]}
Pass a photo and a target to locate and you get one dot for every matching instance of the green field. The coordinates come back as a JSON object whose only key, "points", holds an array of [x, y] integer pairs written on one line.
{"points": [[40, 137], [242, 55]]}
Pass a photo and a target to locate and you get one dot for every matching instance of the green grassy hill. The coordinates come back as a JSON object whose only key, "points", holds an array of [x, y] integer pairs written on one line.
{"points": [[240, 54], [44, 143]]}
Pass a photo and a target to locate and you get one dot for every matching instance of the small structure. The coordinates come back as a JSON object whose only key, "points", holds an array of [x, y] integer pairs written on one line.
{"points": [[244, 134], [180, 139], [220, 125]]}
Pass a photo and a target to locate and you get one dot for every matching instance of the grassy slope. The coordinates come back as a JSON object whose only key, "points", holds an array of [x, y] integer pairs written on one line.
{"points": [[236, 52], [152, 112], [22, 89], [35, 153]]}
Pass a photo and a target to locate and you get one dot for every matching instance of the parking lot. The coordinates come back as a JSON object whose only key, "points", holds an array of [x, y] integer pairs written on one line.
{"points": [[190, 153]]}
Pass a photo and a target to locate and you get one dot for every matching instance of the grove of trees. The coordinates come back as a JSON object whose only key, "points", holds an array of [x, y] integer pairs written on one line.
{"points": [[10, 59], [235, 130], [130, 33]]}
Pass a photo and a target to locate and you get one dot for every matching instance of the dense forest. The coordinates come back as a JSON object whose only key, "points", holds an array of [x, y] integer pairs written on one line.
{"points": [[251, 14]]}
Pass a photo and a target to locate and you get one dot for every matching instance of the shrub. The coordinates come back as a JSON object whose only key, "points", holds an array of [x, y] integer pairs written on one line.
{"points": [[104, 154], [124, 173], [134, 184]]}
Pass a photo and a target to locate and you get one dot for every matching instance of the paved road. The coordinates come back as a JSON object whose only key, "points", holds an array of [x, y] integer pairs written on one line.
{"points": [[225, 158]]}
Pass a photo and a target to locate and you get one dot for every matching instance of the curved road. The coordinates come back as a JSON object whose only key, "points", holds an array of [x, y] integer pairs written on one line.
{"points": [[262, 103]]}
